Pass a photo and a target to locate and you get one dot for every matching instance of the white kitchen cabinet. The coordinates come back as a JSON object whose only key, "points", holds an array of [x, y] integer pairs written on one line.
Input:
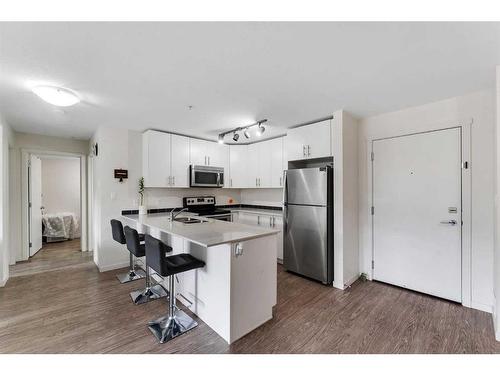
{"points": [[179, 169], [277, 165], [156, 159], [309, 141], [165, 159], [211, 154], [198, 152], [238, 161], [253, 165]]}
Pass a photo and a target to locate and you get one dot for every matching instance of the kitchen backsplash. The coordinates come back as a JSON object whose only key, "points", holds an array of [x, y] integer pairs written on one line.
{"points": [[161, 198]]}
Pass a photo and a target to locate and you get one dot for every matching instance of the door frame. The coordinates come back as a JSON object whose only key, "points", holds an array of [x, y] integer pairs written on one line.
{"points": [[466, 187], [25, 229]]}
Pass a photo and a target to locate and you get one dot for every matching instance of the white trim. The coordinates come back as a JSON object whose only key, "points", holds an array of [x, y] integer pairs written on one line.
{"points": [[25, 153], [465, 126], [111, 267], [494, 316], [338, 285], [351, 281], [481, 306], [3, 282]]}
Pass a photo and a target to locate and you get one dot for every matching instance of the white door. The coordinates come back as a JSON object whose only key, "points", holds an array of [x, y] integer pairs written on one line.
{"points": [[35, 198], [417, 212], [180, 161]]}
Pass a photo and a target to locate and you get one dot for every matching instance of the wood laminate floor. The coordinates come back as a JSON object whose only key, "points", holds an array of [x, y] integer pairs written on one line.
{"points": [[51, 257], [79, 310]]}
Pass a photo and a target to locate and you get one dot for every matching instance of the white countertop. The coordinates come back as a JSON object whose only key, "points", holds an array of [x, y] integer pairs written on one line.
{"points": [[257, 211], [208, 233]]}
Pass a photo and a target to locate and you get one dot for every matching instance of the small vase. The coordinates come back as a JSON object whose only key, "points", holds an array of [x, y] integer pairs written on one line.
{"points": [[143, 210]]}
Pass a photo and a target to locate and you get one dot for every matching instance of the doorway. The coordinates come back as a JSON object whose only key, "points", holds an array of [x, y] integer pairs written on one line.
{"points": [[417, 212], [54, 211]]}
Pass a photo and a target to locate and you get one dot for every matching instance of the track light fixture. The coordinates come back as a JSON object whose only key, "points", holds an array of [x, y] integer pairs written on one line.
{"points": [[245, 129]]}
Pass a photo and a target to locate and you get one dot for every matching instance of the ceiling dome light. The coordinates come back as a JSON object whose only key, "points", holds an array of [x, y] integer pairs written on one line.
{"points": [[236, 136], [246, 133], [260, 130], [58, 96], [221, 138]]}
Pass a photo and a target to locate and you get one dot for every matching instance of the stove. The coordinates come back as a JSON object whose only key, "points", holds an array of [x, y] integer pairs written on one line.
{"points": [[205, 206]]}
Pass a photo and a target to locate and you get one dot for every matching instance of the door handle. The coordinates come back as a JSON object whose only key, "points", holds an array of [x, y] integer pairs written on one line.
{"points": [[449, 222]]}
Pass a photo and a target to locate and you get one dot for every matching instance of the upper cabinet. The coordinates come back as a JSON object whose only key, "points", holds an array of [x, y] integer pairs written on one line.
{"points": [[238, 162], [211, 154], [165, 159], [258, 165], [309, 141]]}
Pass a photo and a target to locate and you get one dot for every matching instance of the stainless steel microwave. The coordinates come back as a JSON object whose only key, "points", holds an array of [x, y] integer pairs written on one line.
{"points": [[204, 176]]}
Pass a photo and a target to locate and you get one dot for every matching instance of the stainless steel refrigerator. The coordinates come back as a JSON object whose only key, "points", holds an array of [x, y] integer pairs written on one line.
{"points": [[308, 222]]}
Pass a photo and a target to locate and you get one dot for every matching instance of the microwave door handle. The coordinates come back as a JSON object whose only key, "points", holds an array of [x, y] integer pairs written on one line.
{"points": [[218, 179]]}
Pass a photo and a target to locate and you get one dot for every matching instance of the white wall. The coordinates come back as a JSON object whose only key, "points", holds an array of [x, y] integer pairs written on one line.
{"points": [[496, 312], [478, 107], [31, 142], [6, 139], [61, 185]]}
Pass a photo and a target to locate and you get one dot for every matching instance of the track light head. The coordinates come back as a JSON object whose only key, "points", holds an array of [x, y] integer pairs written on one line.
{"points": [[246, 133], [260, 130], [221, 138], [236, 136]]}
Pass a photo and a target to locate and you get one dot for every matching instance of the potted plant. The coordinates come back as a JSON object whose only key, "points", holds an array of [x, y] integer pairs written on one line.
{"points": [[142, 208]]}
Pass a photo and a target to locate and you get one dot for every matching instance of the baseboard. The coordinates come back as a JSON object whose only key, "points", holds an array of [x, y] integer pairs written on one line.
{"points": [[338, 285], [111, 267], [481, 306], [3, 282], [494, 316], [350, 281]]}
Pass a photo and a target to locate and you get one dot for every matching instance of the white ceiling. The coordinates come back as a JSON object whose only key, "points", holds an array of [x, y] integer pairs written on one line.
{"points": [[145, 75]]}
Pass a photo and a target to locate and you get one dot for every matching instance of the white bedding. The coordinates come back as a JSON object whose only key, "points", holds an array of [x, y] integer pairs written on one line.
{"points": [[63, 225]]}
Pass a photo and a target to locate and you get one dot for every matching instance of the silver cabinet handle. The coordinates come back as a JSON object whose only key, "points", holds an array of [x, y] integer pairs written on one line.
{"points": [[449, 222], [271, 221], [231, 182], [169, 180], [205, 160], [304, 150], [256, 181], [258, 220], [173, 180], [281, 180], [208, 160], [308, 150]]}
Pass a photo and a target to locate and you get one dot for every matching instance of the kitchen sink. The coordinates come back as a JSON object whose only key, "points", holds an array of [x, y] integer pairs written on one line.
{"points": [[188, 220]]}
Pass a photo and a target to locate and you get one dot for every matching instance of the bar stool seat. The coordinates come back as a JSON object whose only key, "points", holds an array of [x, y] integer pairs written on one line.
{"points": [[150, 292], [119, 236], [177, 321]]}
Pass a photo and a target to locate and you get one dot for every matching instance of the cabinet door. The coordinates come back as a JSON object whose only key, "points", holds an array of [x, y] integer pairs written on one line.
{"points": [[180, 161], [318, 140], [156, 159], [198, 152], [247, 218], [238, 174], [296, 140], [218, 156], [265, 169], [276, 150], [278, 224], [253, 165]]}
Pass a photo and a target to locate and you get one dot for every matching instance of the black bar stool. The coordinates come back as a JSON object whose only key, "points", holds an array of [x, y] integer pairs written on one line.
{"points": [[151, 292], [177, 321], [119, 236]]}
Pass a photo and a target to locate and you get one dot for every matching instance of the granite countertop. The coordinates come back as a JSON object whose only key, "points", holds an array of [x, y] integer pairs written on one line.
{"points": [[210, 232]]}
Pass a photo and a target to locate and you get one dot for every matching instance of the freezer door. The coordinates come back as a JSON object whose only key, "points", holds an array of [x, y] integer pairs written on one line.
{"points": [[305, 245], [308, 186]]}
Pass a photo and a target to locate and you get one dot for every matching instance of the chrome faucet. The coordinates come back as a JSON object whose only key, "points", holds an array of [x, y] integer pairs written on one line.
{"points": [[174, 215]]}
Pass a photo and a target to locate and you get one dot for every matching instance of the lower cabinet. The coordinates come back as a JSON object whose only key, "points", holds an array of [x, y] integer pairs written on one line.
{"points": [[263, 220]]}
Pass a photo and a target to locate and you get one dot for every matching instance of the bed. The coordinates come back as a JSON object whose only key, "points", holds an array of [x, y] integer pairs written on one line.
{"points": [[60, 226]]}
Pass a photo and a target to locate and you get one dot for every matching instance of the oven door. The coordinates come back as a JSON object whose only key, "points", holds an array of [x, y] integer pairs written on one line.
{"points": [[202, 176]]}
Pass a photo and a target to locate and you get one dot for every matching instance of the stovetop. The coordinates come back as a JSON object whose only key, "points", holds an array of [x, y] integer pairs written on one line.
{"points": [[203, 206]]}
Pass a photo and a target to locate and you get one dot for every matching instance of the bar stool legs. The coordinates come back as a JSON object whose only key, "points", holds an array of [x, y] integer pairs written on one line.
{"points": [[175, 323], [132, 274], [150, 293]]}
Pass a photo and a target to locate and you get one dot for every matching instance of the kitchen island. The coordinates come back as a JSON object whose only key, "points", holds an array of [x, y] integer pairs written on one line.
{"points": [[236, 290]]}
